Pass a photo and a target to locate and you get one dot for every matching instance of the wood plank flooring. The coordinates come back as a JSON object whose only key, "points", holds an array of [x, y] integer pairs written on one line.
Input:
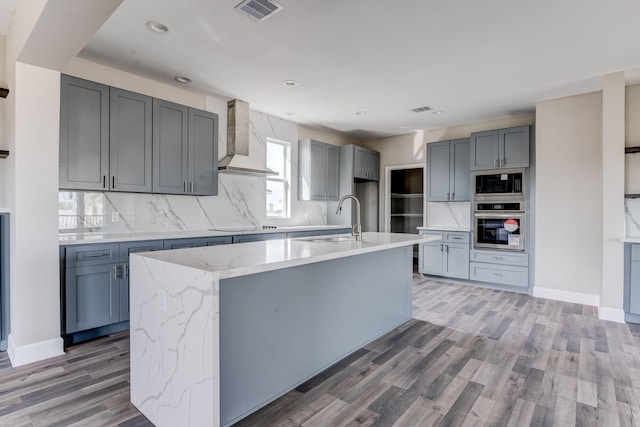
{"points": [[471, 357]]}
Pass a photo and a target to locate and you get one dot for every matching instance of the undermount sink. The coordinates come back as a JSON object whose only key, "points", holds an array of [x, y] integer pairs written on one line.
{"points": [[331, 239]]}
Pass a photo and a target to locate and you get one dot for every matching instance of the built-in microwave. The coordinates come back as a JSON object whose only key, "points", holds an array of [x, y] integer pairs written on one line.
{"points": [[499, 224], [496, 184]]}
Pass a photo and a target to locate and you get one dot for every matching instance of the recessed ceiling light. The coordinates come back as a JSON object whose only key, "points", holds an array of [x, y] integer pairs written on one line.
{"points": [[437, 112], [360, 113], [290, 113], [182, 79], [290, 83], [158, 27]]}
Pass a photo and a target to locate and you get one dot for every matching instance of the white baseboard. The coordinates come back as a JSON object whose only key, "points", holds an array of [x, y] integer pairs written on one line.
{"points": [[22, 355], [567, 296], [612, 314]]}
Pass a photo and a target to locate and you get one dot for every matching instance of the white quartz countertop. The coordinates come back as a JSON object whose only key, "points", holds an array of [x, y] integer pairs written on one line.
{"points": [[93, 237], [466, 230], [248, 258]]}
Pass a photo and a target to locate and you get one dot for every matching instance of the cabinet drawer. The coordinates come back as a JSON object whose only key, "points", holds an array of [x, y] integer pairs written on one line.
{"points": [[431, 233], [129, 248], [181, 243], [502, 274], [455, 237], [635, 252], [500, 257], [86, 255], [215, 241]]}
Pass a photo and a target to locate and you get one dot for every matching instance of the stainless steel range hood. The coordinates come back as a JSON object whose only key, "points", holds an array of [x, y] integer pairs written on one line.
{"points": [[237, 159]]}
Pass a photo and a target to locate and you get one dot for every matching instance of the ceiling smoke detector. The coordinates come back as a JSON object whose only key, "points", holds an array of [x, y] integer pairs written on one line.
{"points": [[421, 109], [259, 10]]}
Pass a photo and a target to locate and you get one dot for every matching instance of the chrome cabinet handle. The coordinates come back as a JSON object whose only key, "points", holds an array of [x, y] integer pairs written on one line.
{"points": [[98, 255], [498, 274], [447, 248], [104, 181], [184, 186], [113, 182], [453, 196], [498, 257]]}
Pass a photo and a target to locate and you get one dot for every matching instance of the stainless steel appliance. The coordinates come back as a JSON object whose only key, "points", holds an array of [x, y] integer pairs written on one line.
{"points": [[499, 224], [498, 184]]}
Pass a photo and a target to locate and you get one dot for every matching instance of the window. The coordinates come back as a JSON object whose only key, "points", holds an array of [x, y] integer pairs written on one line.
{"points": [[278, 186], [80, 211]]}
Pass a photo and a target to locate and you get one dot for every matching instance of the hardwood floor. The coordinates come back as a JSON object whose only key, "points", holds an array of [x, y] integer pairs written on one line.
{"points": [[470, 357]]}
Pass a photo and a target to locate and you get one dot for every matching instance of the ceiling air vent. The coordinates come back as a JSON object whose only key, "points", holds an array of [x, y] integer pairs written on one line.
{"points": [[421, 109], [259, 10]]}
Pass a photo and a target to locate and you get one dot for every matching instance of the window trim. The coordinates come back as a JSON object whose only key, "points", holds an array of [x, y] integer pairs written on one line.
{"points": [[284, 178]]}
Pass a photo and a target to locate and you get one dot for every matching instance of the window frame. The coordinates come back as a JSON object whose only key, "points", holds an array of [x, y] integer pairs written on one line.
{"points": [[284, 178]]}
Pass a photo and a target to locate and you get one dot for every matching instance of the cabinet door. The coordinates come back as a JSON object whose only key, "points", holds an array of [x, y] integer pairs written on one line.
{"points": [[318, 170], [373, 165], [332, 172], [215, 241], [485, 153], [438, 171], [203, 152], [431, 259], [92, 297], [459, 172], [84, 134], [514, 147], [360, 168], [181, 243], [456, 261], [130, 142], [170, 161]]}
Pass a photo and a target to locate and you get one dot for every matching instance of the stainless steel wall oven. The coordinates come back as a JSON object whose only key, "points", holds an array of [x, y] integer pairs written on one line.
{"points": [[499, 224]]}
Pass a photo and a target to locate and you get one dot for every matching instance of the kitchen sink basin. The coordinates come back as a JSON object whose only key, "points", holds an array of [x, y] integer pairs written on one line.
{"points": [[330, 239]]}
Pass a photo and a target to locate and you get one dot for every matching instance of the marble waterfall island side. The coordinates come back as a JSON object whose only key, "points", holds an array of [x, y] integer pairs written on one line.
{"points": [[218, 332]]}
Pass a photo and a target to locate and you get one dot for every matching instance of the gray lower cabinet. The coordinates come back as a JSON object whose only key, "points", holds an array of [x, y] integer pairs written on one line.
{"points": [[181, 243], [185, 150], [449, 177], [501, 267], [84, 134], [632, 282], [215, 241], [448, 257], [500, 148], [244, 238], [319, 171]]}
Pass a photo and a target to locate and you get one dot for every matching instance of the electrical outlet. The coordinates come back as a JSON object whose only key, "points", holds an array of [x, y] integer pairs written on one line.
{"points": [[115, 216]]}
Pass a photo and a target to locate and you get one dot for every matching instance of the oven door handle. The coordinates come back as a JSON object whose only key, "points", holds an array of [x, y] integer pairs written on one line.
{"points": [[499, 215]]}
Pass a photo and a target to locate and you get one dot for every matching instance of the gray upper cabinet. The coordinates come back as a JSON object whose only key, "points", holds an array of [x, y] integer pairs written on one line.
{"points": [[500, 148], [84, 135], [448, 173], [203, 152], [130, 142], [366, 164], [185, 150], [170, 147], [319, 165]]}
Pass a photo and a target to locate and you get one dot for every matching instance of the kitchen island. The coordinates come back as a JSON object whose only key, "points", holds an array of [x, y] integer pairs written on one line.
{"points": [[218, 332]]}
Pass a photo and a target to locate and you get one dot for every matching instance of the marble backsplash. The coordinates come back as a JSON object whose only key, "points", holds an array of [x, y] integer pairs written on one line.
{"points": [[448, 214], [240, 201], [632, 217]]}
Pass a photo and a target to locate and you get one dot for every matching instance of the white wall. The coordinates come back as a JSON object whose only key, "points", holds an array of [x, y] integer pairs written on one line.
{"points": [[568, 232]]}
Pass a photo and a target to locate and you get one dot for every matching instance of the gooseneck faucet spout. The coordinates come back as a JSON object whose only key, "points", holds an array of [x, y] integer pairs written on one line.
{"points": [[356, 230]]}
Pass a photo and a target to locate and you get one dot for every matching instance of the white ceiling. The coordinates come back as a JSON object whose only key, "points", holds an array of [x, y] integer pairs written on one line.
{"points": [[6, 13], [475, 60]]}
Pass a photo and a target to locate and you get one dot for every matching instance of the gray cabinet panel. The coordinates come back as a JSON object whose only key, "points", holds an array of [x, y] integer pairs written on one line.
{"points": [[456, 260], [170, 161], [87, 255], [373, 165], [485, 151], [515, 146], [502, 274], [181, 243], [203, 152], [130, 141], [634, 294], [215, 241], [332, 172], [438, 171], [360, 162], [319, 171], [431, 258], [84, 134], [244, 238], [459, 174], [92, 297]]}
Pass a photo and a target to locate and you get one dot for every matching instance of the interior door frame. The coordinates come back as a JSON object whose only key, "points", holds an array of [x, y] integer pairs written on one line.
{"points": [[387, 191]]}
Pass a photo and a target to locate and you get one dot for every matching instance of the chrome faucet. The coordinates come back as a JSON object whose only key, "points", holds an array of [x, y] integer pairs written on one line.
{"points": [[356, 231]]}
